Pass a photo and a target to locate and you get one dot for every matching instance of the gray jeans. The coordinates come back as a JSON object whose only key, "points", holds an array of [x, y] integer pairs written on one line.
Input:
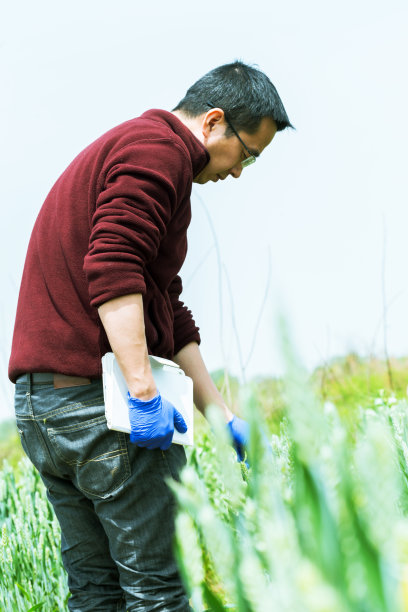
{"points": [[115, 510]]}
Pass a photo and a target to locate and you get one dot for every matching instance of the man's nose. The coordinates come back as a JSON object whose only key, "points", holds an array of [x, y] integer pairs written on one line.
{"points": [[236, 170]]}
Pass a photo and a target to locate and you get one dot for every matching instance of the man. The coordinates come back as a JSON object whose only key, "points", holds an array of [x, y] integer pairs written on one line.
{"points": [[101, 274]]}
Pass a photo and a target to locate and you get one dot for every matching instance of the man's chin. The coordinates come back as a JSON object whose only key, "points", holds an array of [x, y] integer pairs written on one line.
{"points": [[201, 179]]}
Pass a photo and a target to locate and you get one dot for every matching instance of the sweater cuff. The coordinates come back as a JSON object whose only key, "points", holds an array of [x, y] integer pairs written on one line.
{"points": [[185, 329], [112, 284], [181, 342]]}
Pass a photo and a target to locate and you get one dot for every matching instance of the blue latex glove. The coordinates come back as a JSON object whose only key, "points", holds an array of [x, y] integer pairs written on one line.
{"points": [[152, 423], [239, 430]]}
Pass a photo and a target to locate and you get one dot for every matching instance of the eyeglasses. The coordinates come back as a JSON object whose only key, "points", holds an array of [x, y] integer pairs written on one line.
{"points": [[251, 159]]}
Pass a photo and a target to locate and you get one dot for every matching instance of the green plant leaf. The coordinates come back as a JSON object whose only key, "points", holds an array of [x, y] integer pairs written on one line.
{"points": [[22, 589], [213, 600]]}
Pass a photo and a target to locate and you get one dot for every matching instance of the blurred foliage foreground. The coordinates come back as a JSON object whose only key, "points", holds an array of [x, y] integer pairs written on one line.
{"points": [[317, 521]]}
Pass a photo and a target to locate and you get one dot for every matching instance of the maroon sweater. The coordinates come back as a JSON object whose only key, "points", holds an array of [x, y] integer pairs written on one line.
{"points": [[114, 223]]}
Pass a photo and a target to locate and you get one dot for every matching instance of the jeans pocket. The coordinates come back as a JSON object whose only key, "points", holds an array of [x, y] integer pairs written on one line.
{"points": [[97, 456]]}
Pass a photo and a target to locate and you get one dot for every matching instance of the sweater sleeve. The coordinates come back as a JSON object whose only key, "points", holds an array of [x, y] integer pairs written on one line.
{"points": [[142, 186], [185, 329]]}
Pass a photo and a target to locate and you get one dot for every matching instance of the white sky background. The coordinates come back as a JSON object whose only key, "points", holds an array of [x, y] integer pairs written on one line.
{"points": [[311, 214]]}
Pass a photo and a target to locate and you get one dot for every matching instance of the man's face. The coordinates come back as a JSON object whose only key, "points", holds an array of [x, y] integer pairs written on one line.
{"points": [[227, 153]]}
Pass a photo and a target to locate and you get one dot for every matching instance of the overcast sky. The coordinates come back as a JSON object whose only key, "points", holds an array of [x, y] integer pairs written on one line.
{"points": [[316, 228]]}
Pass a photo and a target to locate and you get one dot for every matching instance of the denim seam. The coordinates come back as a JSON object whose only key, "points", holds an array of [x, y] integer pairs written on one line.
{"points": [[109, 455], [30, 406], [54, 432], [122, 440], [37, 428], [66, 408], [168, 465], [81, 425]]}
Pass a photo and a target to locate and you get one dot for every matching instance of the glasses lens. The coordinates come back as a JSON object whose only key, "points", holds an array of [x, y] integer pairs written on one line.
{"points": [[248, 161]]}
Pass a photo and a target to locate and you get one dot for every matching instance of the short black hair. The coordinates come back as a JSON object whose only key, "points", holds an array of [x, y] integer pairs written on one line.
{"points": [[243, 92]]}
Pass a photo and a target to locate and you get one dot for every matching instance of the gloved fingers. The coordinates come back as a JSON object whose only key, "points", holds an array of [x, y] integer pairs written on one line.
{"points": [[153, 444], [163, 442], [150, 443], [142, 444], [179, 422], [239, 432], [153, 422], [166, 442], [134, 438], [241, 454]]}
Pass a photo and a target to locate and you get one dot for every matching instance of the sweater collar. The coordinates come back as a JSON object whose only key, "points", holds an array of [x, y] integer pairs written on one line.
{"points": [[198, 153]]}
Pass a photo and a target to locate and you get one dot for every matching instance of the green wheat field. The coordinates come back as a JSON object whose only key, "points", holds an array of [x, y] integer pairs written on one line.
{"points": [[317, 521]]}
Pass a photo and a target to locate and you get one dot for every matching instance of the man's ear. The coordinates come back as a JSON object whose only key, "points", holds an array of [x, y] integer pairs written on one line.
{"points": [[212, 119]]}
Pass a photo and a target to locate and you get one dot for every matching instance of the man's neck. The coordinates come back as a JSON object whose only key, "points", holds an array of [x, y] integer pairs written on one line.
{"points": [[194, 124]]}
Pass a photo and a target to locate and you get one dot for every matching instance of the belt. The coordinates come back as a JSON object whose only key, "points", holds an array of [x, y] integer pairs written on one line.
{"points": [[60, 381]]}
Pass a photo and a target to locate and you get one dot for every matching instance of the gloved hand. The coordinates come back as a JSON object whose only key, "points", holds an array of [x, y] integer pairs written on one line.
{"points": [[239, 430], [152, 423]]}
